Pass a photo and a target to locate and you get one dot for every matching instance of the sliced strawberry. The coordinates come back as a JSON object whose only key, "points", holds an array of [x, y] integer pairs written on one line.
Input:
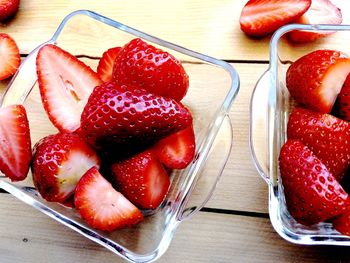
{"points": [[105, 65], [142, 179], [312, 193], [118, 114], [320, 12], [342, 223], [8, 8], [177, 150], [59, 161], [262, 17], [143, 66], [342, 105], [65, 84], [15, 145], [315, 79], [327, 136], [9, 56], [101, 205]]}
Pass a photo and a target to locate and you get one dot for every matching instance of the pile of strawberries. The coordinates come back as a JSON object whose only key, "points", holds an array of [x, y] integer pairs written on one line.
{"points": [[315, 160], [122, 130]]}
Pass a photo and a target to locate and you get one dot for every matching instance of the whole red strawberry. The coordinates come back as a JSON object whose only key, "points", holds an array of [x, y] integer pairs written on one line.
{"points": [[312, 193], [118, 114], [315, 79], [59, 161], [342, 104], [327, 136], [8, 8], [142, 179], [143, 66]]}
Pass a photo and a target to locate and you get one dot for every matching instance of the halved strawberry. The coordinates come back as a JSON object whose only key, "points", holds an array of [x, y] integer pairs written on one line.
{"points": [[262, 17], [105, 65], [59, 161], [15, 145], [327, 136], [141, 65], [315, 79], [312, 193], [342, 223], [142, 179], [341, 107], [119, 114], [101, 206], [65, 84], [9, 56], [177, 150], [8, 8], [320, 12]]}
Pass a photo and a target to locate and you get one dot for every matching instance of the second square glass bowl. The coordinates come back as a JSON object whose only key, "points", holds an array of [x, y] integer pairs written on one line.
{"points": [[213, 87]]}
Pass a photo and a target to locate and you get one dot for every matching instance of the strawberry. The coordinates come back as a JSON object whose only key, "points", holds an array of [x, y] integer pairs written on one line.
{"points": [[105, 65], [119, 114], [142, 179], [143, 66], [15, 145], [341, 107], [9, 56], [101, 206], [312, 193], [327, 136], [65, 84], [8, 8], [320, 12], [59, 161], [262, 17], [342, 223], [315, 79], [177, 150]]}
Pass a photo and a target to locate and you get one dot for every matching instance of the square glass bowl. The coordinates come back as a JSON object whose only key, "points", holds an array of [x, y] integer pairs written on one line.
{"points": [[270, 108], [213, 87]]}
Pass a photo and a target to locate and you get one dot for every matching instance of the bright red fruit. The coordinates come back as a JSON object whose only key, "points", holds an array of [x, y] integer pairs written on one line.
{"points": [[327, 136], [262, 17], [59, 161], [65, 84], [177, 150], [9, 55], [8, 8], [312, 193], [143, 66], [320, 12], [342, 223], [15, 145], [118, 114], [101, 205], [315, 79], [105, 65], [342, 104], [142, 179]]}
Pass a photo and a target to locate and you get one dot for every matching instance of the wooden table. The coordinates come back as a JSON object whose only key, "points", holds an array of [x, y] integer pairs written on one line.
{"points": [[234, 226]]}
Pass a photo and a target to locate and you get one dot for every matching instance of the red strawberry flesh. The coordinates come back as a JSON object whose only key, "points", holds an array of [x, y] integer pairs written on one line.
{"points": [[341, 108], [9, 56], [106, 63]]}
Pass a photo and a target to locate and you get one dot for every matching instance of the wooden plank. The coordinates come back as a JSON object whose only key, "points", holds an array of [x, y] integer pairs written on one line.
{"points": [[27, 236], [209, 27]]}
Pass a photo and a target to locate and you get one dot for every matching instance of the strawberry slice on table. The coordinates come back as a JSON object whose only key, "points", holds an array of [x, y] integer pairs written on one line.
{"points": [[315, 79], [262, 17], [8, 8], [65, 84], [106, 63], [327, 136], [177, 150], [9, 56], [341, 107], [142, 179], [59, 161], [15, 144], [119, 114], [320, 12], [312, 193], [144, 66], [101, 206]]}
